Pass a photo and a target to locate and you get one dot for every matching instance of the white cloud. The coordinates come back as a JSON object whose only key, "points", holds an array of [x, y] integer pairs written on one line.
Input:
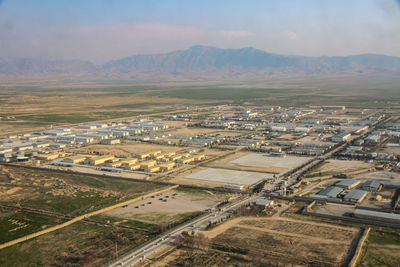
{"points": [[291, 35]]}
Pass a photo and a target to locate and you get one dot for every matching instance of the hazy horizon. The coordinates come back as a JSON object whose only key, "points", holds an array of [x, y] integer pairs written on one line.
{"points": [[104, 30]]}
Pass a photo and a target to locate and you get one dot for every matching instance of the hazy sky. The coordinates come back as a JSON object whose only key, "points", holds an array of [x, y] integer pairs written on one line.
{"points": [[100, 30]]}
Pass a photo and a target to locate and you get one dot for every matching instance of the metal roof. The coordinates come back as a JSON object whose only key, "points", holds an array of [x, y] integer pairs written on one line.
{"points": [[371, 183], [347, 182], [377, 214], [331, 191], [355, 194]]}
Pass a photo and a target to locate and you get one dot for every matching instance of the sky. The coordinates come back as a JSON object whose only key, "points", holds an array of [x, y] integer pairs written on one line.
{"points": [[102, 30]]}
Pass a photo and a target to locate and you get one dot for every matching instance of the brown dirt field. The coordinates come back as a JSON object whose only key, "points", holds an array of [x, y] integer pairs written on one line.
{"points": [[160, 212], [291, 239], [226, 164], [338, 166]]}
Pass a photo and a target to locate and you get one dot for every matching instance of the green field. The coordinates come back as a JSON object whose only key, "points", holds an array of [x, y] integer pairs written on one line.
{"points": [[67, 193], [80, 244]]}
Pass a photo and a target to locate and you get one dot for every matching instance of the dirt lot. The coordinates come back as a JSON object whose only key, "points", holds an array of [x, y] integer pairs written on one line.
{"points": [[177, 204], [251, 241], [260, 162], [380, 176], [334, 166]]}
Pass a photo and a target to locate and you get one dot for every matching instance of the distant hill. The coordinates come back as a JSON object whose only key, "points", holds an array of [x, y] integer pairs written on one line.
{"points": [[202, 63]]}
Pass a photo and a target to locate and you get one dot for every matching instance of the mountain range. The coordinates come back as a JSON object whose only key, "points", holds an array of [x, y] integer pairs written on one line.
{"points": [[201, 63]]}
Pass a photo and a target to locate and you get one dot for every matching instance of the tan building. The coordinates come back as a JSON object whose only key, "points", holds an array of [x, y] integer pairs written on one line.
{"points": [[129, 162], [99, 159], [134, 167], [76, 159], [48, 156], [167, 166], [153, 169], [145, 165]]}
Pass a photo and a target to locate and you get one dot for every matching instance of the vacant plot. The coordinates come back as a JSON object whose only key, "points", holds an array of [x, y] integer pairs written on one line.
{"points": [[284, 240], [334, 166], [80, 244], [258, 162], [229, 176], [170, 207], [66, 193]]}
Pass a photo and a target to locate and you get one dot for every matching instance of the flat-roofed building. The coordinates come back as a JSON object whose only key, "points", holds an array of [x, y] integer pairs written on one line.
{"points": [[167, 166], [372, 185], [331, 191], [76, 159], [348, 183], [50, 156], [153, 169], [129, 162], [144, 155], [133, 167], [377, 215], [99, 159], [111, 141], [147, 164], [355, 195]]}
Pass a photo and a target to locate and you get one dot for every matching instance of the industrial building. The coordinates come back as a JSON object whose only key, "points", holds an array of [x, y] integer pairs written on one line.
{"points": [[342, 137], [348, 183], [331, 191], [355, 195], [372, 185], [264, 202], [376, 215]]}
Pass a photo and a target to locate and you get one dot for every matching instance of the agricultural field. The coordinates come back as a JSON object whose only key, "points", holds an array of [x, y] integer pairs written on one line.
{"points": [[381, 249], [258, 162], [16, 223], [66, 193], [80, 244]]}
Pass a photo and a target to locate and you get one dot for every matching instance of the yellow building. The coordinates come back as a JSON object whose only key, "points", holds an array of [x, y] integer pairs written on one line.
{"points": [[76, 159], [99, 159], [199, 157], [167, 166], [153, 169], [159, 157], [129, 161], [144, 155], [116, 164], [134, 167], [48, 156], [186, 160], [175, 158], [147, 164], [155, 153]]}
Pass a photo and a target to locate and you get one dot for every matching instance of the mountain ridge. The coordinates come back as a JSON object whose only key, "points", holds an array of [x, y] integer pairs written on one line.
{"points": [[202, 62]]}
